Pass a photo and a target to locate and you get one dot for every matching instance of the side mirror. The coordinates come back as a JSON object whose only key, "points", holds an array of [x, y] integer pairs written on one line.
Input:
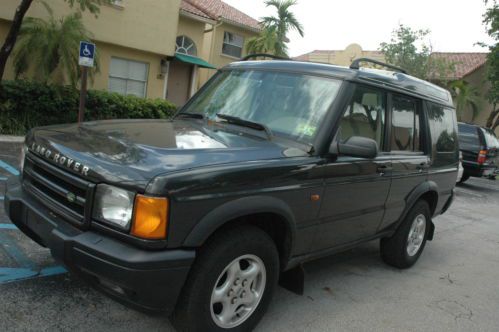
{"points": [[357, 146]]}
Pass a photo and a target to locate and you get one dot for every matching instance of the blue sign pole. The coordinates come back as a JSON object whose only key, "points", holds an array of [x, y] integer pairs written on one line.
{"points": [[86, 59]]}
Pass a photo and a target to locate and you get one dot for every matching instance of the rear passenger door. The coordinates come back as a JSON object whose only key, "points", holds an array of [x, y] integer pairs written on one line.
{"points": [[408, 150]]}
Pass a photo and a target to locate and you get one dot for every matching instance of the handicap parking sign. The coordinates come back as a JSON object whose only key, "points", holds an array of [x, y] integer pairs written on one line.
{"points": [[87, 54]]}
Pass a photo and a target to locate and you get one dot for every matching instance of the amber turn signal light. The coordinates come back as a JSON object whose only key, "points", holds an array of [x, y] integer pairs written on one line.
{"points": [[150, 219]]}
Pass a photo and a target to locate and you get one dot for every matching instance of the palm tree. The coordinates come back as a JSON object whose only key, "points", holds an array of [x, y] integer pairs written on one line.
{"points": [[466, 97], [273, 37], [264, 43], [50, 48]]}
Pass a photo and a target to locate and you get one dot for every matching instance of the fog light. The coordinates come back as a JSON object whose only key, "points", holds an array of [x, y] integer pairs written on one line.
{"points": [[150, 217]]}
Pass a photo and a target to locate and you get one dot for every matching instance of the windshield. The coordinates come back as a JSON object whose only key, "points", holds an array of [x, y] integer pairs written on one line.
{"points": [[490, 138], [289, 104]]}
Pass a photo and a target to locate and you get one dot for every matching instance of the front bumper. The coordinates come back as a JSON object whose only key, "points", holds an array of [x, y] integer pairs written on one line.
{"points": [[149, 280]]}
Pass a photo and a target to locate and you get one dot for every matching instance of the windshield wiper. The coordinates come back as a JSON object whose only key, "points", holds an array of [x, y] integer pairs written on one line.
{"points": [[191, 115], [246, 123]]}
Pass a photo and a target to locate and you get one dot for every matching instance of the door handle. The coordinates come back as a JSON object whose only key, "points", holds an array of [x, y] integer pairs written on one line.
{"points": [[383, 169], [423, 166]]}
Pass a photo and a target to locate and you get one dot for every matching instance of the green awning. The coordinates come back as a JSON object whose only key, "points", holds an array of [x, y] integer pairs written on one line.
{"points": [[193, 60]]}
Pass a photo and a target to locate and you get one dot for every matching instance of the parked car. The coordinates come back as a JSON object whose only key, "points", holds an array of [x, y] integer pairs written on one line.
{"points": [[480, 150], [270, 165]]}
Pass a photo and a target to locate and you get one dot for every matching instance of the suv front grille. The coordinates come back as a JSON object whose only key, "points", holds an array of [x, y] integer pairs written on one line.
{"points": [[64, 194]]}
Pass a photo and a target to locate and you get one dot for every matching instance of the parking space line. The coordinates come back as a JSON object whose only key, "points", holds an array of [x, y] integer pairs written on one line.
{"points": [[15, 252], [1, 198], [3, 178], [8, 226], [8, 168], [17, 274]]}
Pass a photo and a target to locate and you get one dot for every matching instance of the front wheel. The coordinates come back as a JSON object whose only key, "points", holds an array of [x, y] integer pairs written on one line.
{"points": [[231, 283], [403, 249]]}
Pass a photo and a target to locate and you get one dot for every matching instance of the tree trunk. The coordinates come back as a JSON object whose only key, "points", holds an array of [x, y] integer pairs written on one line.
{"points": [[490, 121], [11, 38]]}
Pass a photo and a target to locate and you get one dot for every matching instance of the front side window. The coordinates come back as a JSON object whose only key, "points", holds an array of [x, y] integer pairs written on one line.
{"points": [[233, 45], [291, 105], [405, 133], [128, 77], [365, 116]]}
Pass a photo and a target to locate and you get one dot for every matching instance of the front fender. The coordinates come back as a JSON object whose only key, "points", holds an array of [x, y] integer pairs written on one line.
{"points": [[239, 208]]}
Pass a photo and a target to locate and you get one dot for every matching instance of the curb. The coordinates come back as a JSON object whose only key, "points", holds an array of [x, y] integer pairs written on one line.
{"points": [[11, 139]]}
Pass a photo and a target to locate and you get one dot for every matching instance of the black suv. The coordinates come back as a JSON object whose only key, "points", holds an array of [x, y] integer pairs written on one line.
{"points": [[271, 164], [480, 150]]}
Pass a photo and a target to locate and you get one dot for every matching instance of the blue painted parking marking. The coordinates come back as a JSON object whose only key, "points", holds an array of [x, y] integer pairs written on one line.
{"points": [[16, 274], [11, 248], [8, 168], [1, 198], [8, 226], [3, 178], [27, 269]]}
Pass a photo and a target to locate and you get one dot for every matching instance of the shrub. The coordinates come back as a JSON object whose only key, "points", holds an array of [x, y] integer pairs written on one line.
{"points": [[26, 104]]}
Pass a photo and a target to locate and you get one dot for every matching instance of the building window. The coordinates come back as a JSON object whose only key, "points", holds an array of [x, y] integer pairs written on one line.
{"points": [[128, 77], [185, 45], [233, 45]]}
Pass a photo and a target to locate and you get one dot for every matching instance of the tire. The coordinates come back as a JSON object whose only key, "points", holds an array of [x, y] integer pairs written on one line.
{"points": [[403, 249], [216, 266], [464, 178]]}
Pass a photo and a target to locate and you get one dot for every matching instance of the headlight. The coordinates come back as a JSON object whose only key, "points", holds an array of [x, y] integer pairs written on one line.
{"points": [[114, 206]]}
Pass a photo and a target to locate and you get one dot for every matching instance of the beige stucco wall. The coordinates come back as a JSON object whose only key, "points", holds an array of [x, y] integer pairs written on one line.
{"points": [[155, 82], [135, 25], [155, 85], [192, 29], [345, 57], [213, 53], [478, 79]]}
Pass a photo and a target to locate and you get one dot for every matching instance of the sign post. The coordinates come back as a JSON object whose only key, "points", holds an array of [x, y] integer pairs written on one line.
{"points": [[86, 60]]}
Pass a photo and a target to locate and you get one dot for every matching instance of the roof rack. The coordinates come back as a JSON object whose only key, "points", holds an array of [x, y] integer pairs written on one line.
{"points": [[356, 64], [256, 55]]}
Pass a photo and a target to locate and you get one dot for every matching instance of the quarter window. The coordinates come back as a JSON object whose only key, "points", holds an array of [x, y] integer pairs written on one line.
{"points": [[405, 133], [233, 45], [442, 129], [365, 116], [128, 77]]}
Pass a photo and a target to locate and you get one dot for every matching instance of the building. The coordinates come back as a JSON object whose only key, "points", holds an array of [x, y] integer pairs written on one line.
{"points": [[156, 50], [470, 67]]}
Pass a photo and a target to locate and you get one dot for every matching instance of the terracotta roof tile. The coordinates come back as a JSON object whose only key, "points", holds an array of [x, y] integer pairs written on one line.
{"points": [[217, 9], [187, 7], [465, 63]]}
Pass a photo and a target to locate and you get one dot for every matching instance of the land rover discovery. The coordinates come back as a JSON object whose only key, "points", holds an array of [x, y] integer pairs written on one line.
{"points": [[271, 164]]}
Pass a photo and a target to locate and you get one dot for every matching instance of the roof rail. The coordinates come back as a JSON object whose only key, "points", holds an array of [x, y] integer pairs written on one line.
{"points": [[356, 64], [256, 55]]}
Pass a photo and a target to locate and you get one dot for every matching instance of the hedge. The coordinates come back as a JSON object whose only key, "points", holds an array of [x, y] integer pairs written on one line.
{"points": [[27, 104]]}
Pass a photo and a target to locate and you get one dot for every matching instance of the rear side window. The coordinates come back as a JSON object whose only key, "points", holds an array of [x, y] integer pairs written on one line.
{"points": [[442, 128], [405, 133], [364, 116], [468, 137]]}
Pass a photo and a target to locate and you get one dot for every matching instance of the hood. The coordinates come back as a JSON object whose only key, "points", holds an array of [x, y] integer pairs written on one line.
{"points": [[136, 151]]}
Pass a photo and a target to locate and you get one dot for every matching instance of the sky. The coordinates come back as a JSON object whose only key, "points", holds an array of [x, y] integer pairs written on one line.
{"points": [[456, 25]]}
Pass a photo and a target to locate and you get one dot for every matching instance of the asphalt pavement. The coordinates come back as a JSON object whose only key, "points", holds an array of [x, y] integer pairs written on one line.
{"points": [[453, 287]]}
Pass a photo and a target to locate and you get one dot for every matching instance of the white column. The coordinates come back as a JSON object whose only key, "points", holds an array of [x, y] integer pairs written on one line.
{"points": [[194, 79], [165, 83]]}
